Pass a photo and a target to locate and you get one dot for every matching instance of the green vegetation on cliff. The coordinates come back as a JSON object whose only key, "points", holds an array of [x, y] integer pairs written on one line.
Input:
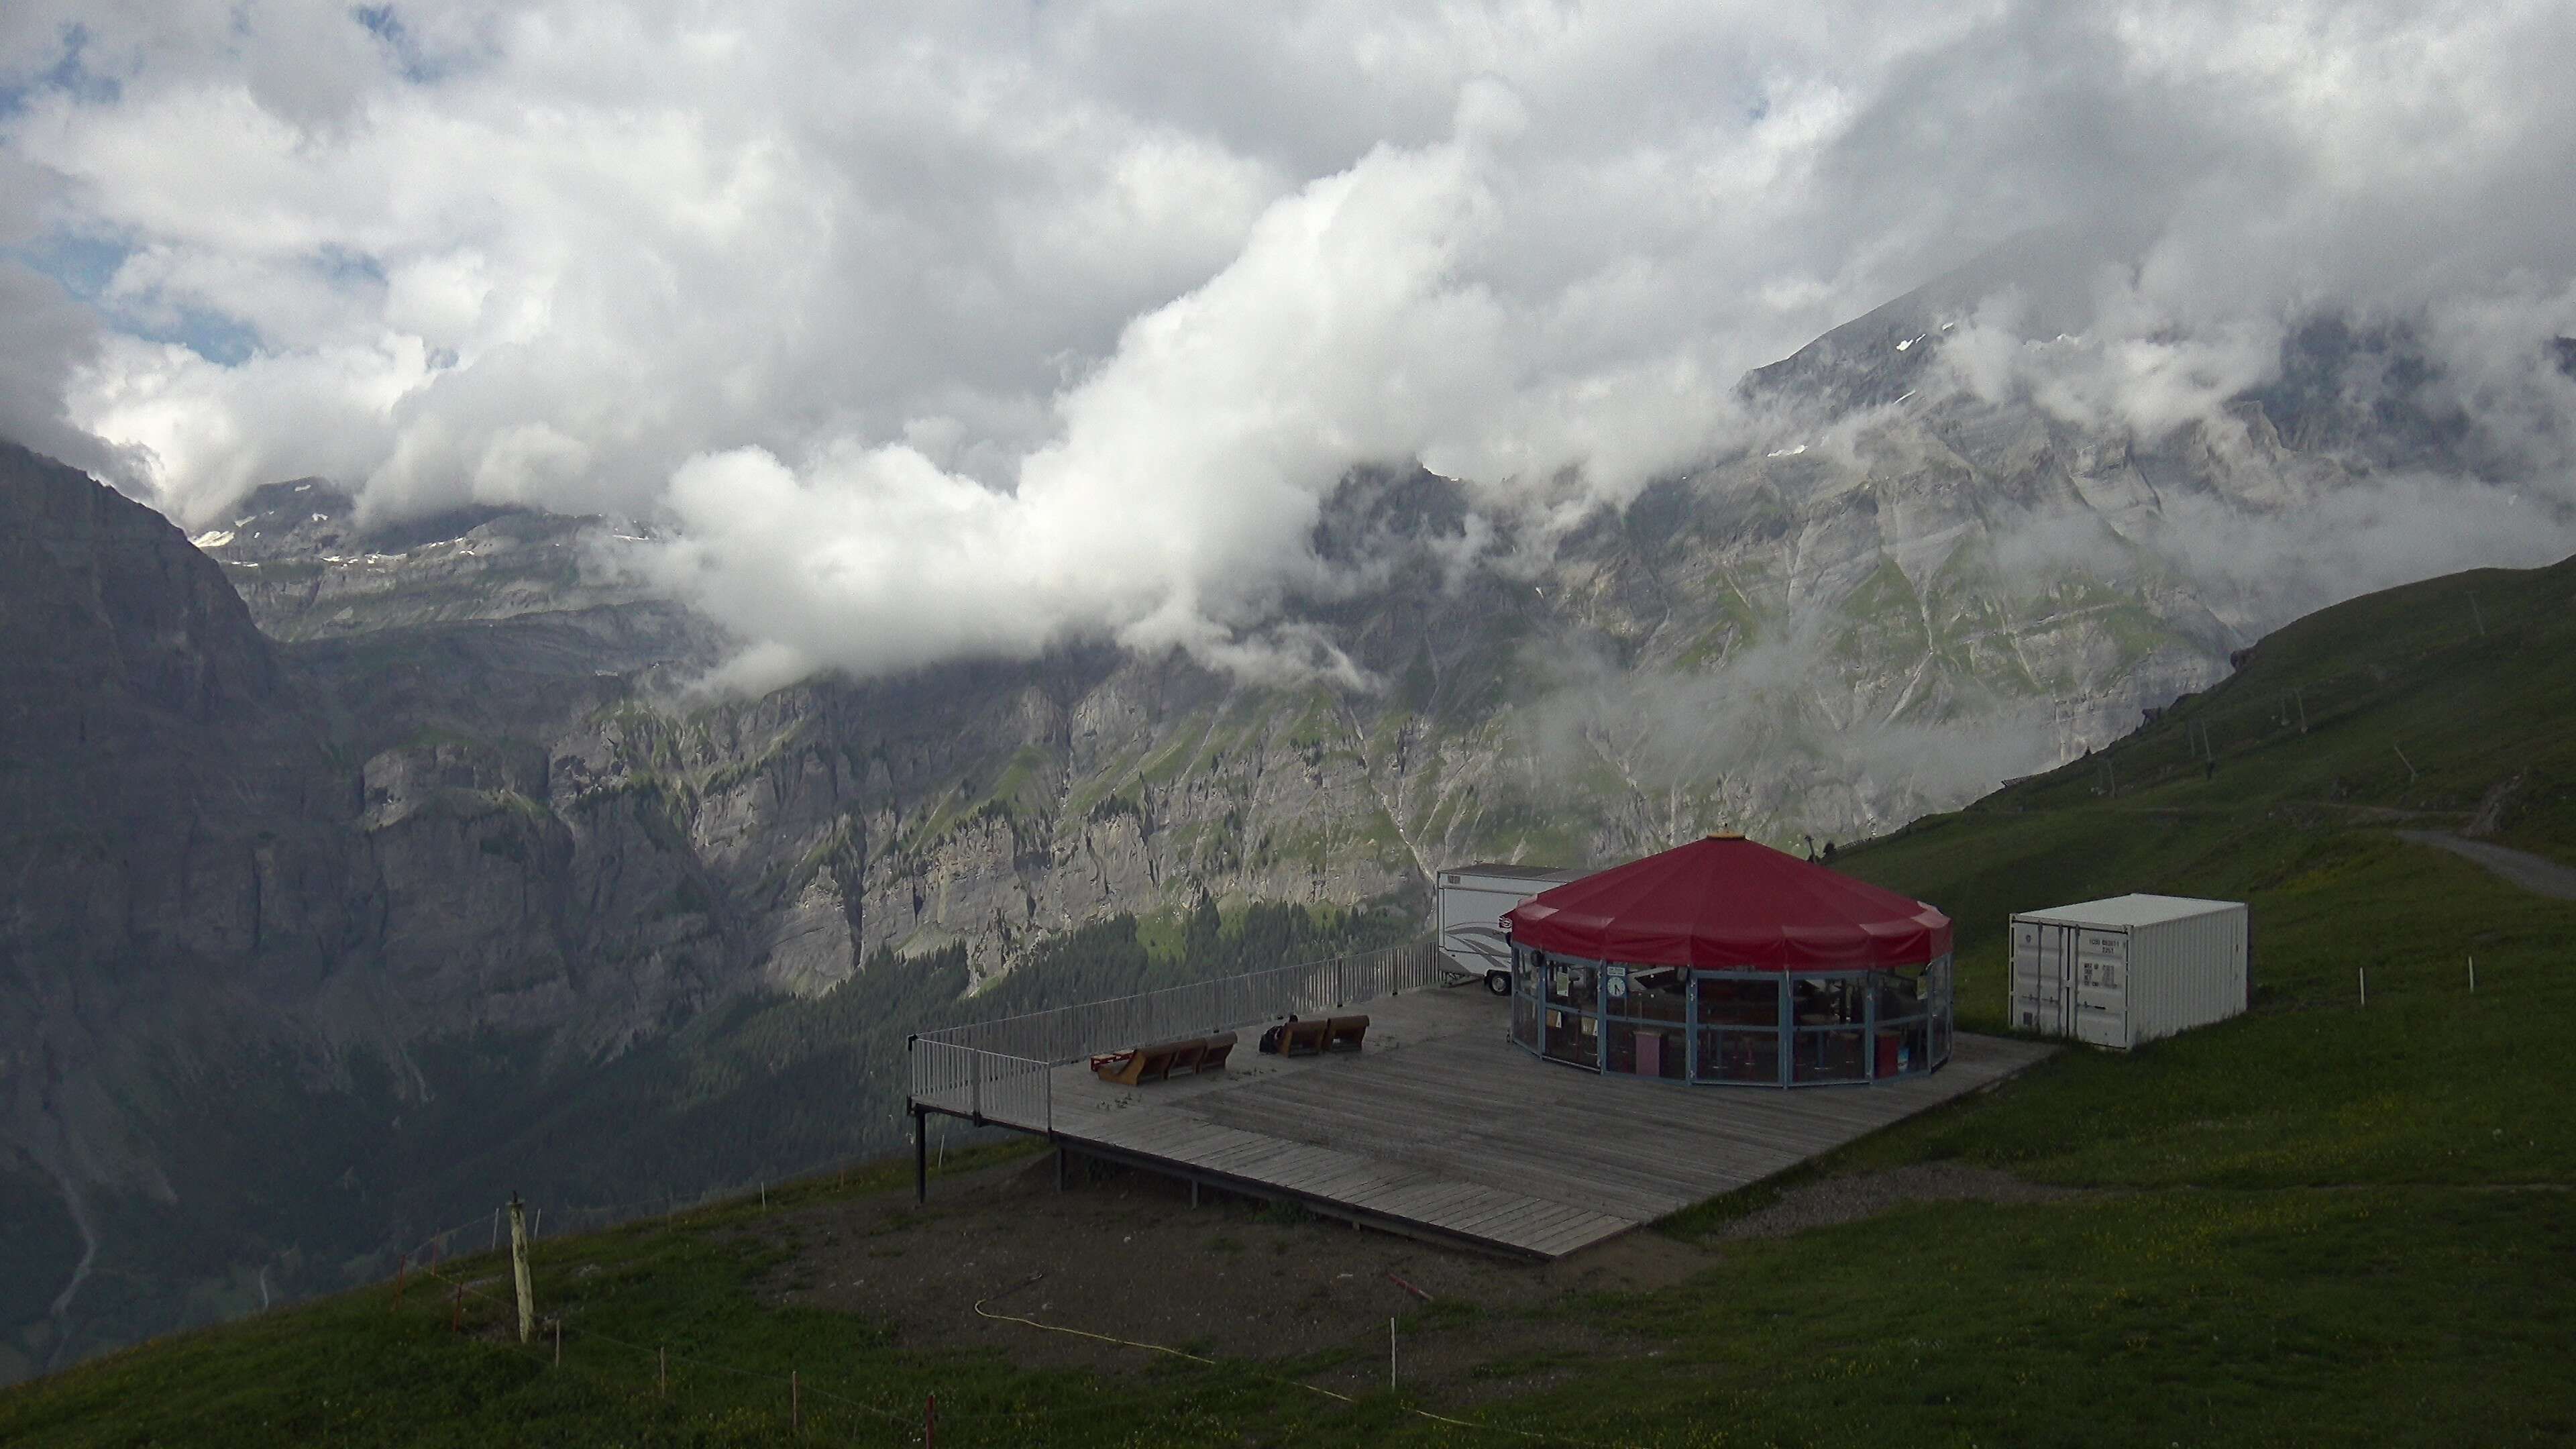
{"points": [[2321, 1222]]}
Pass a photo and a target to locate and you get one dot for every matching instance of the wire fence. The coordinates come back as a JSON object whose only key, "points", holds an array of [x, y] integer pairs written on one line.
{"points": [[492, 1312], [477, 1307], [549, 1220]]}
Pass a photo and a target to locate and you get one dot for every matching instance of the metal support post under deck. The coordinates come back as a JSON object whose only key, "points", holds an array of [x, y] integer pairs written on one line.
{"points": [[920, 1156], [1059, 1167]]}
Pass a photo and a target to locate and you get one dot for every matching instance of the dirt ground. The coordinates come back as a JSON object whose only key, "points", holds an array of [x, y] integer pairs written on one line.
{"points": [[1124, 1254]]}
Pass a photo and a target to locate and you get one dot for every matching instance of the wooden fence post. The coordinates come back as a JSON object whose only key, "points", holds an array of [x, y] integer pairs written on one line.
{"points": [[519, 1269]]}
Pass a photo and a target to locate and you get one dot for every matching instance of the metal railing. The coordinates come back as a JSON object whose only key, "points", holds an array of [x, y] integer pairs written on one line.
{"points": [[986, 1086], [1069, 1033], [998, 1069]]}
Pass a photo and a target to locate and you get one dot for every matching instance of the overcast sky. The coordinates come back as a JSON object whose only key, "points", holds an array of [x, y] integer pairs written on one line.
{"points": [[973, 325]]}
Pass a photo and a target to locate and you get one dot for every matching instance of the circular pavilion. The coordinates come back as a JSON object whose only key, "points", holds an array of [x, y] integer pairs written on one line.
{"points": [[1725, 961]]}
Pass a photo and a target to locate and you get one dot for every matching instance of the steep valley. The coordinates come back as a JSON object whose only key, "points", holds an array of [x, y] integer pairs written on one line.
{"points": [[362, 872]]}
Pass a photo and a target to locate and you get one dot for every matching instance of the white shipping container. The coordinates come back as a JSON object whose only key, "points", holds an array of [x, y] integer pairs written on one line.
{"points": [[2130, 969], [1469, 905]]}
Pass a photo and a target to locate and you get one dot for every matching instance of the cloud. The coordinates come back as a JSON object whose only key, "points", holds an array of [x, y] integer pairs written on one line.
{"points": [[2260, 571], [51, 335], [976, 328], [1775, 738]]}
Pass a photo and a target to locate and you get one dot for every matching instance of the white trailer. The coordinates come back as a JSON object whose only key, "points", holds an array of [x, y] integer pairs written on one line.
{"points": [[1470, 903], [2130, 969]]}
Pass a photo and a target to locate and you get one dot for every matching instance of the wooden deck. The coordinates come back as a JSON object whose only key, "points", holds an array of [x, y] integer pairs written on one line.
{"points": [[1442, 1128]]}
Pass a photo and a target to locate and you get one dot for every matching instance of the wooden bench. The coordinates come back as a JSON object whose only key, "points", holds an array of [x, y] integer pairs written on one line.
{"points": [[1304, 1038], [1321, 1035], [1219, 1047], [1155, 1063]]}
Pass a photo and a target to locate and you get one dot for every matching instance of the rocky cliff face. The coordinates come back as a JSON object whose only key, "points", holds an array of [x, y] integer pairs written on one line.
{"points": [[168, 828], [309, 569], [354, 870]]}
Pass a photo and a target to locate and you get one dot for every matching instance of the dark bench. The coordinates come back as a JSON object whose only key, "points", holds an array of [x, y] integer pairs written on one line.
{"points": [[1293, 1038], [1303, 1038], [1155, 1063]]}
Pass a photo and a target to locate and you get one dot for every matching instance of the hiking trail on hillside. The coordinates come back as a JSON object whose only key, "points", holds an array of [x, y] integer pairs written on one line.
{"points": [[2535, 873]]}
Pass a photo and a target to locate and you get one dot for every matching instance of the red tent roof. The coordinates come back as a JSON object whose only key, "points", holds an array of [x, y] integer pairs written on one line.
{"points": [[1726, 902]]}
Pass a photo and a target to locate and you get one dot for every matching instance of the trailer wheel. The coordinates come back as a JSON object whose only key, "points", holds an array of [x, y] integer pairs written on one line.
{"points": [[1499, 982]]}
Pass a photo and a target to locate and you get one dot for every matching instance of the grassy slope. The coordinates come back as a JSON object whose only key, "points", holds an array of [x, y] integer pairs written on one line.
{"points": [[2318, 1223]]}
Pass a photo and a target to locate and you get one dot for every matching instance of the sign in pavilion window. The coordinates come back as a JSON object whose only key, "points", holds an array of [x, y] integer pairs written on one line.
{"points": [[1572, 1024]]}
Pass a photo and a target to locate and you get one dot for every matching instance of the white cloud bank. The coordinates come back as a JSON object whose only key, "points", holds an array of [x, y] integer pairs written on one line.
{"points": [[965, 329]]}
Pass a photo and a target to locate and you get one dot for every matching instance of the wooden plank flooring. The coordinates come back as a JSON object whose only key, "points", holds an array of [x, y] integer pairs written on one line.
{"points": [[1443, 1127]]}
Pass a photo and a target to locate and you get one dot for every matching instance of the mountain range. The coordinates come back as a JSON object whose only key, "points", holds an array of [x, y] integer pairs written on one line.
{"points": [[362, 871]]}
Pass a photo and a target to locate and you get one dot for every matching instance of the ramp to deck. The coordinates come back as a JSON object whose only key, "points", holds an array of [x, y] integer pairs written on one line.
{"points": [[1443, 1129]]}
